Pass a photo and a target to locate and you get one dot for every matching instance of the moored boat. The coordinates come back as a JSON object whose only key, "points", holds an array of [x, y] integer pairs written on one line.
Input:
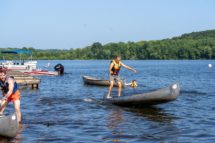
{"points": [[20, 64], [97, 81], [163, 95], [9, 125], [40, 72], [57, 71]]}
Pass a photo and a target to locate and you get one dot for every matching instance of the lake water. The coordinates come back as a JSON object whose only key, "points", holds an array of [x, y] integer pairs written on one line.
{"points": [[64, 109]]}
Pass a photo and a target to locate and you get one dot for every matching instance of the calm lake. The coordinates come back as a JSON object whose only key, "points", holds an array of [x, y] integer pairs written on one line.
{"points": [[64, 109]]}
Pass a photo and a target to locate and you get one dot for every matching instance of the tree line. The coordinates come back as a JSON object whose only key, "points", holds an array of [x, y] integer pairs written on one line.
{"points": [[195, 45]]}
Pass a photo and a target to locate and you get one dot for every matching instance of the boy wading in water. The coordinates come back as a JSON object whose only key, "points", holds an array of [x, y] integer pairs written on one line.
{"points": [[114, 68], [10, 92]]}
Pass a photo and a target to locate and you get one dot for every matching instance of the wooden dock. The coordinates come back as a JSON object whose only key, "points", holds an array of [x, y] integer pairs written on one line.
{"points": [[24, 79]]}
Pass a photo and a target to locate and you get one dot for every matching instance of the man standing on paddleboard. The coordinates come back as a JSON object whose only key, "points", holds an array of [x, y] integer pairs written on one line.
{"points": [[10, 92], [114, 68]]}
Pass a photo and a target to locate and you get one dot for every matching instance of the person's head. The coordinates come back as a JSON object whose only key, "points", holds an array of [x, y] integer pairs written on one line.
{"points": [[117, 58], [3, 75], [134, 81]]}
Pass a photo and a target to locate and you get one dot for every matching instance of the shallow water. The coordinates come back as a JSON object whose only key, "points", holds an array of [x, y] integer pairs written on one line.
{"points": [[64, 109]]}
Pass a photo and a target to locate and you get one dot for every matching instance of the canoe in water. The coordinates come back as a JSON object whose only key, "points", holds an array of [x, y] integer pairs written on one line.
{"points": [[163, 95], [9, 125], [97, 81]]}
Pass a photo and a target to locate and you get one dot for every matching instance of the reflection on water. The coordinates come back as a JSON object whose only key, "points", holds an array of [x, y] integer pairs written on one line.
{"points": [[115, 117], [18, 137], [163, 126], [3, 140], [152, 113]]}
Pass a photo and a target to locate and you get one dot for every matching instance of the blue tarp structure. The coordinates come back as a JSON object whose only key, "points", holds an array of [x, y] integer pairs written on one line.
{"points": [[17, 52]]}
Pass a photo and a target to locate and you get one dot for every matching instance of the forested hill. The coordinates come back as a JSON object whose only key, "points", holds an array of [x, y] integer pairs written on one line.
{"points": [[195, 45], [209, 34]]}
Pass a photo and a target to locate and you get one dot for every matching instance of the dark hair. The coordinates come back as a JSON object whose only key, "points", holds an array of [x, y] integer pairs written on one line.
{"points": [[133, 80], [2, 71], [117, 56]]}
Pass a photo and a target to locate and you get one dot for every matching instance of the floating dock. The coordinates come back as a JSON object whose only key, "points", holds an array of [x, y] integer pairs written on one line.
{"points": [[24, 79]]}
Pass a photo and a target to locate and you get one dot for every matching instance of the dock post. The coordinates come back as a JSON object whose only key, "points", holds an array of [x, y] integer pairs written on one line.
{"points": [[34, 86]]}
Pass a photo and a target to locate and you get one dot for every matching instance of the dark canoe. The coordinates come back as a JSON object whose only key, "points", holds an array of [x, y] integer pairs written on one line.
{"points": [[96, 81], [163, 95], [9, 125]]}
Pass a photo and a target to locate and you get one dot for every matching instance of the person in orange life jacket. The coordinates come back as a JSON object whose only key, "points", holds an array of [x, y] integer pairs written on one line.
{"points": [[132, 84], [114, 68], [10, 92]]}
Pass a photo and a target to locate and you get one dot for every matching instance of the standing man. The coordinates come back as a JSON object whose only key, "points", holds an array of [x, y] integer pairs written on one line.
{"points": [[114, 68], [10, 92]]}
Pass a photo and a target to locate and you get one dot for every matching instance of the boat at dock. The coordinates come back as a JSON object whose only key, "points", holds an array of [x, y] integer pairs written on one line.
{"points": [[59, 70], [163, 95], [9, 125], [97, 81], [40, 72], [29, 67], [20, 64], [36, 72]]}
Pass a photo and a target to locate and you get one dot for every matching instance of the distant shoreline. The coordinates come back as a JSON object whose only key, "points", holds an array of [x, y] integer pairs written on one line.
{"points": [[192, 46]]}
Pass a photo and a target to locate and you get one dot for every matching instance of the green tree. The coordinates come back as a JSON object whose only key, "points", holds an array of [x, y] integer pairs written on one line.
{"points": [[96, 47]]}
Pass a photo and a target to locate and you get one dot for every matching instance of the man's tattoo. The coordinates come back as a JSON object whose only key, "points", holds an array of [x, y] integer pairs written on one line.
{"points": [[7, 95]]}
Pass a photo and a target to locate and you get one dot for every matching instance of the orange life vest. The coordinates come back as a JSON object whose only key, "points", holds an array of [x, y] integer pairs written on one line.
{"points": [[116, 68]]}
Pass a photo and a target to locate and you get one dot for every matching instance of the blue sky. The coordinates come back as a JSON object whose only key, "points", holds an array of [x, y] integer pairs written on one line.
{"points": [[65, 24]]}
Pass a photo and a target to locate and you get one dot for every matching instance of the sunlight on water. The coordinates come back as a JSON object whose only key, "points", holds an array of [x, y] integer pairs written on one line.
{"points": [[89, 100]]}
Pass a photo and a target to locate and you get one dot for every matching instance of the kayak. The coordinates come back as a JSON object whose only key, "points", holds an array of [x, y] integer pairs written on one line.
{"points": [[9, 125], [163, 95], [97, 81]]}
